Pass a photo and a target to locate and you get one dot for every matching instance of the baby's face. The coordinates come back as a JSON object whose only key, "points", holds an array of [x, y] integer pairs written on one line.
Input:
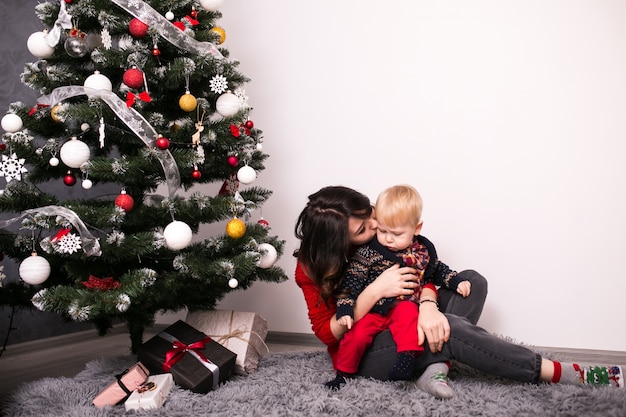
{"points": [[396, 238]]}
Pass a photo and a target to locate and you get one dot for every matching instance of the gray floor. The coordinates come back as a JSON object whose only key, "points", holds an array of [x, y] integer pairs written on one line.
{"points": [[66, 355]]}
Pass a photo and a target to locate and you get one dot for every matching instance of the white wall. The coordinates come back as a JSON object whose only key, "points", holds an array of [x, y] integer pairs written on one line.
{"points": [[508, 116]]}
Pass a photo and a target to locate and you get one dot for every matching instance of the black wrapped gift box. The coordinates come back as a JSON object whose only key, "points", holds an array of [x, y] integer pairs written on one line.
{"points": [[189, 347]]}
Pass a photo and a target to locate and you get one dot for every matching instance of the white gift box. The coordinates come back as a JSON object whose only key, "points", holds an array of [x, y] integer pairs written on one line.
{"points": [[241, 332], [151, 394]]}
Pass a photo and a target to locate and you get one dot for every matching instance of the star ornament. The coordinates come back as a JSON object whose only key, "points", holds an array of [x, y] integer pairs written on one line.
{"points": [[12, 168]]}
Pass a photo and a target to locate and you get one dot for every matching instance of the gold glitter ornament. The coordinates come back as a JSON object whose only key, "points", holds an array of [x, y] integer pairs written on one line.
{"points": [[187, 102], [235, 228]]}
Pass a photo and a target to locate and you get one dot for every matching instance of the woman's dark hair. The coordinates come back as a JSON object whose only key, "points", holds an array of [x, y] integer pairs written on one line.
{"points": [[322, 228]]}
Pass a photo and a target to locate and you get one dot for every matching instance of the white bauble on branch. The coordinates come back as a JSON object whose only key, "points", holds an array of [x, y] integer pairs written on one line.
{"points": [[97, 83], [74, 153], [211, 5], [177, 235], [34, 270], [228, 104], [269, 257], [38, 45], [246, 174], [233, 283], [11, 123]]}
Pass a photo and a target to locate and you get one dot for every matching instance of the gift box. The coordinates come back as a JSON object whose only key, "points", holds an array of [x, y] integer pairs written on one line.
{"points": [[125, 383], [196, 361], [151, 394], [239, 331]]}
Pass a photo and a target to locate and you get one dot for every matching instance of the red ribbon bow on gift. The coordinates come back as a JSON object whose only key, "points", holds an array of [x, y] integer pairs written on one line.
{"points": [[131, 97], [180, 349]]}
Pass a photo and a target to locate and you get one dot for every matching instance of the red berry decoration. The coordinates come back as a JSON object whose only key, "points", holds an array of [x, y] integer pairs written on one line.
{"points": [[125, 202], [137, 28], [133, 78], [233, 161], [249, 124], [196, 174], [162, 143], [69, 179]]}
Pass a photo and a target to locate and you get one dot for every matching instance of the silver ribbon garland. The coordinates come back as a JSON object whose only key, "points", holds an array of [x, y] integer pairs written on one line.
{"points": [[64, 21], [131, 117], [166, 29], [91, 245]]}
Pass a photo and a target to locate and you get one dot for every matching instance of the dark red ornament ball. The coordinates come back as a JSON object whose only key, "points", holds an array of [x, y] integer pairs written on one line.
{"points": [[196, 174], [263, 223], [233, 161], [137, 28], [133, 78], [249, 124], [69, 179], [3, 147], [163, 143], [125, 202], [68, 1], [156, 51]]}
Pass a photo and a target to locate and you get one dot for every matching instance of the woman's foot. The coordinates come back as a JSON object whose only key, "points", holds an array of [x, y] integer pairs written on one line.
{"points": [[434, 381]]}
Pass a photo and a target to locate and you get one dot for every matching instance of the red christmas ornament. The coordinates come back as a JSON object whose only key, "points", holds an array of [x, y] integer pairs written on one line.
{"points": [[234, 130], [194, 12], [125, 202], [196, 174], [69, 179], [156, 51], [162, 143], [68, 1], [263, 222], [133, 78], [3, 147], [102, 284], [180, 25], [249, 124], [137, 28], [233, 161]]}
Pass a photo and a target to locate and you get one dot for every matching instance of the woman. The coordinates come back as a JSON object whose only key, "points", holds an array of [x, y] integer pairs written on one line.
{"points": [[338, 219]]}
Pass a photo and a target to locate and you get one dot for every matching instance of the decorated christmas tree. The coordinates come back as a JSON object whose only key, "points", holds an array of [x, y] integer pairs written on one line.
{"points": [[141, 110]]}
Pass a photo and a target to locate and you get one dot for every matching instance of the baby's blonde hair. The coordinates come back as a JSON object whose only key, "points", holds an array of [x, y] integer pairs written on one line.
{"points": [[400, 205]]}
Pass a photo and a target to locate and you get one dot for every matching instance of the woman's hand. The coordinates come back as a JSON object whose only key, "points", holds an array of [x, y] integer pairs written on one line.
{"points": [[432, 325], [396, 281], [393, 282]]}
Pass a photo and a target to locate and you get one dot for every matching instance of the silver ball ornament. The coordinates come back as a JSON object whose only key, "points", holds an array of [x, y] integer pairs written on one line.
{"points": [[76, 47]]}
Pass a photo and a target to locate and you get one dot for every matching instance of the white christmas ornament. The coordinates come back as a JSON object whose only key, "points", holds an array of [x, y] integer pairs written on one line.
{"points": [[11, 123], [169, 15], [34, 270], [211, 5], [54, 161], [87, 184], [246, 174], [38, 45], [228, 104], [74, 153], [177, 235], [232, 283], [269, 257], [96, 82]]}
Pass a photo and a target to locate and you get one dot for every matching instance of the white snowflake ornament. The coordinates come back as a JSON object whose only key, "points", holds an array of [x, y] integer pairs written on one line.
{"points": [[12, 168], [243, 98], [218, 84], [107, 42], [69, 244]]}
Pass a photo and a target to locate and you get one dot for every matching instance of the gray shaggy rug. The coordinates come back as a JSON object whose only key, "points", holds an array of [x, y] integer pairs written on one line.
{"points": [[291, 384]]}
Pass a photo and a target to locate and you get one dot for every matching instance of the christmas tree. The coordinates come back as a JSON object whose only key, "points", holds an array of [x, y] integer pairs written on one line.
{"points": [[140, 110]]}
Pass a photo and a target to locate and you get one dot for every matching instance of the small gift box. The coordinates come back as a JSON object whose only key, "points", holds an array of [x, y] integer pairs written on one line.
{"points": [[239, 331], [196, 361], [125, 383], [151, 394]]}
